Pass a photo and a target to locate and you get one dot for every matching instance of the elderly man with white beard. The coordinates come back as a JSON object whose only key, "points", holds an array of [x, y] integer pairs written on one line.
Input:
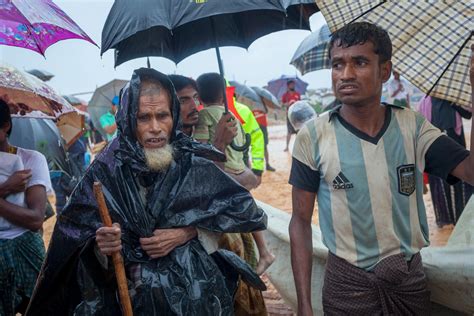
{"points": [[162, 189]]}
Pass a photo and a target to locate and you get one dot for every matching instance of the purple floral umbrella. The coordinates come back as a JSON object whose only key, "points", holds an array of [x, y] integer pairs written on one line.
{"points": [[36, 25], [28, 96]]}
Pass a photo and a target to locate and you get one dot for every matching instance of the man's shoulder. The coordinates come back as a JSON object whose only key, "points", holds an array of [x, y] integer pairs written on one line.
{"points": [[406, 114]]}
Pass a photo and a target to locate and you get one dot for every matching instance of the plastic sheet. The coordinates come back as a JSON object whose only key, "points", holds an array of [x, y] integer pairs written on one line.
{"points": [[192, 192], [299, 113]]}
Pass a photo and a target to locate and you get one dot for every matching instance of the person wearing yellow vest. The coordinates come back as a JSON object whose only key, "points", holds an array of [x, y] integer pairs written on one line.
{"points": [[257, 144]]}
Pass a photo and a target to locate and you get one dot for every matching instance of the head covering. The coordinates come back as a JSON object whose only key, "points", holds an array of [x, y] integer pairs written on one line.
{"points": [[128, 150], [125, 147]]}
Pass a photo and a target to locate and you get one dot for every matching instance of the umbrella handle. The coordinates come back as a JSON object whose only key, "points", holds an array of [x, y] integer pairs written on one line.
{"points": [[244, 147], [233, 145]]}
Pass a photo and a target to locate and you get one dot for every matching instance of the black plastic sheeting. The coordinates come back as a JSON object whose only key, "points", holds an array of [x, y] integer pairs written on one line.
{"points": [[192, 192]]}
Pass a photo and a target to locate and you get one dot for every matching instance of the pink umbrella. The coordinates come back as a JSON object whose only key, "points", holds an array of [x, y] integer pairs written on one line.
{"points": [[36, 25]]}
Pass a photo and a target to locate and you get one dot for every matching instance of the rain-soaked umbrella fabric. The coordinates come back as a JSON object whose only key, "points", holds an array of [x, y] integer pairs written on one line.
{"points": [[268, 99], [300, 113], [43, 75], [178, 29], [41, 135], [28, 96], [278, 87], [313, 54], [248, 96], [36, 25], [102, 101], [74, 101], [431, 40], [185, 282]]}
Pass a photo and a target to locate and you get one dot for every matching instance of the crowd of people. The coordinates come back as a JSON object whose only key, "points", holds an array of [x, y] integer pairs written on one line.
{"points": [[177, 181]]}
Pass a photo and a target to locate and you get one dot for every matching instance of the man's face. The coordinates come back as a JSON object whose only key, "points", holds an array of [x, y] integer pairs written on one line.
{"points": [[291, 86], [357, 76], [154, 119], [189, 99], [396, 75]]}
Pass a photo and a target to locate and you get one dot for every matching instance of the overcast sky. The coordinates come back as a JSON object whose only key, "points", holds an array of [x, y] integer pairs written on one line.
{"points": [[78, 67]]}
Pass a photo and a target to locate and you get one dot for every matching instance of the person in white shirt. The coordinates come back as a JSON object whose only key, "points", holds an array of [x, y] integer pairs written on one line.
{"points": [[21, 246], [398, 91]]}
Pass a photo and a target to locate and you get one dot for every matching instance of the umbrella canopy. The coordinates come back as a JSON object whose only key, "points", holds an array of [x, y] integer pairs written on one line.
{"points": [[41, 74], [431, 40], [71, 126], [43, 136], [26, 95], [312, 54], [102, 101], [248, 96], [178, 29], [268, 99], [36, 25], [73, 100], [278, 86]]}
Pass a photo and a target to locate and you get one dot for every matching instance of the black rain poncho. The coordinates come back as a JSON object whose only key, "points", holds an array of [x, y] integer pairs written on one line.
{"points": [[192, 192]]}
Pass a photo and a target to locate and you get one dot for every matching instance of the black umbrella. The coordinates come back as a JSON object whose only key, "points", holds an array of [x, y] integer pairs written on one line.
{"points": [[178, 29], [41, 74], [41, 135]]}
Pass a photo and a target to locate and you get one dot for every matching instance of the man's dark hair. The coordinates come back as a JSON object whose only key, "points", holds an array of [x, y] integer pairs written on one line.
{"points": [[359, 33], [290, 81], [5, 116], [181, 82], [210, 87]]}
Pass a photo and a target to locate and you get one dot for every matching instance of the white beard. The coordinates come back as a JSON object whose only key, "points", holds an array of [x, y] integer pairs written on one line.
{"points": [[159, 159]]}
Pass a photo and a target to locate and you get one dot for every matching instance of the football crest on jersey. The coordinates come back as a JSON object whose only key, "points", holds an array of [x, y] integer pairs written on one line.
{"points": [[406, 179]]}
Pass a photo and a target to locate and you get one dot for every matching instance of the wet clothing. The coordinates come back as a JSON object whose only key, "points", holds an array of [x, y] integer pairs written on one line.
{"points": [[205, 129], [370, 189], [394, 287], [188, 281], [20, 263], [248, 300], [290, 97]]}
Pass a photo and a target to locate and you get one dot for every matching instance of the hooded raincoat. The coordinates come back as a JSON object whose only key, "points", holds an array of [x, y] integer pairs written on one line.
{"points": [[187, 281]]}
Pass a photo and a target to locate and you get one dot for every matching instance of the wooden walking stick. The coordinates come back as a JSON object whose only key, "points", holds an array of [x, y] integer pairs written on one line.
{"points": [[116, 256]]}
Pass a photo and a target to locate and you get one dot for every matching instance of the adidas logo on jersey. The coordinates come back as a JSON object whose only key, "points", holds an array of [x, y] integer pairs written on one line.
{"points": [[341, 182]]}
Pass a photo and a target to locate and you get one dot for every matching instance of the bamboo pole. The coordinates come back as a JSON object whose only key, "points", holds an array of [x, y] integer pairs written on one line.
{"points": [[116, 256]]}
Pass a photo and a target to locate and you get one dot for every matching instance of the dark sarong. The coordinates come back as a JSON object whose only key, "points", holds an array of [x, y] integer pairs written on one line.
{"points": [[393, 287], [20, 263]]}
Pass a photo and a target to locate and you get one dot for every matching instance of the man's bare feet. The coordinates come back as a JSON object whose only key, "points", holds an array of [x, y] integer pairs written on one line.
{"points": [[264, 262], [286, 149]]}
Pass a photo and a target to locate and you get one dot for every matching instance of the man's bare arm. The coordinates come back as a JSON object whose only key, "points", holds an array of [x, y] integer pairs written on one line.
{"points": [[30, 217], [302, 247], [465, 170]]}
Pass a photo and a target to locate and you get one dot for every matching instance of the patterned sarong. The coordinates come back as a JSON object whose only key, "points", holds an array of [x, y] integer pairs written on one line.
{"points": [[393, 287], [248, 301], [20, 263]]}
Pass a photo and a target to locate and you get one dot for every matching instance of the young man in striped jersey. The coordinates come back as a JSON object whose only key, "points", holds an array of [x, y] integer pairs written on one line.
{"points": [[364, 162]]}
